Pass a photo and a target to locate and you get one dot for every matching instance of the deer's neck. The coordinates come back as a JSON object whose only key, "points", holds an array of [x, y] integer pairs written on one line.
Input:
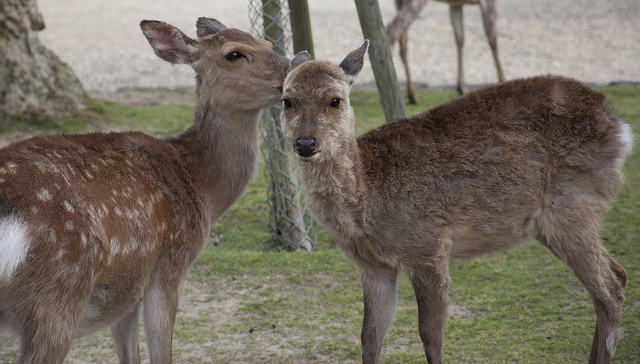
{"points": [[335, 191], [220, 152]]}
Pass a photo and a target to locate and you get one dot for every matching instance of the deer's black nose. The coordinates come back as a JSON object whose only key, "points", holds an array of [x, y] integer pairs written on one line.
{"points": [[305, 147]]}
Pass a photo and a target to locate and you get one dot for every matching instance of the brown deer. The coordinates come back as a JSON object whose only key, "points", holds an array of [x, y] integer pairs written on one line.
{"points": [[408, 10], [94, 226], [536, 158]]}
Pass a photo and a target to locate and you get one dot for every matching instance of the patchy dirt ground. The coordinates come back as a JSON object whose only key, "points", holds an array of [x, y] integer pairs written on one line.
{"points": [[98, 348], [203, 308]]}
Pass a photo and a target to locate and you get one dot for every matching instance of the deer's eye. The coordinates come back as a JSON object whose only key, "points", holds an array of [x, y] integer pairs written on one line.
{"points": [[335, 102], [232, 56], [286, 103]]}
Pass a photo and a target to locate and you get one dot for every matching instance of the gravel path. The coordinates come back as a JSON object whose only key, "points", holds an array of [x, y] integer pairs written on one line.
{"points": [[596, 41]]}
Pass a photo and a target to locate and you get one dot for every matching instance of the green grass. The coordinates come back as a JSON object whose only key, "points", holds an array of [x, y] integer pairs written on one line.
{"points": [[518, 306], [18, 127]]}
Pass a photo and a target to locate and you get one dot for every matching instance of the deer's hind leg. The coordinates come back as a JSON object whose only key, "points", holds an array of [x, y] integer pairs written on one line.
{"points": [[404, 49], [457, 21], [44, 342], [569, 228], [489, 18], [49, 319]]}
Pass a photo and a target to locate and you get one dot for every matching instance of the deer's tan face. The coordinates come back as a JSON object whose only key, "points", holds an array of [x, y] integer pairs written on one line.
{"points": [[233, 67], [245, 69], [316, 114]]}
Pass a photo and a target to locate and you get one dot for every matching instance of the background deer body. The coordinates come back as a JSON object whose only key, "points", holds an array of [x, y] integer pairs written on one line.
{"points": [[91, 226], [537, 158], [408, 11]]}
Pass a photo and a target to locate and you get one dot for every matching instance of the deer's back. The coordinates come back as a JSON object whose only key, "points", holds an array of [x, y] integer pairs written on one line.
{"points": [[504, 150], [96, 168], [97, 179]]}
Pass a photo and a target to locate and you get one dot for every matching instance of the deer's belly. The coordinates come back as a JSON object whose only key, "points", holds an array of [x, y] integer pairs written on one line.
{"points": [[118, 290], [107, 307]]}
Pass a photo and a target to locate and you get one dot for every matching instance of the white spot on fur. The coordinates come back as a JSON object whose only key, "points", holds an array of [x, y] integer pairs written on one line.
{"points": [[115, 246], [42, 167], [68, 207], [69, 225], [71, 170], [133, 214], [14, 245], [44, 195]]}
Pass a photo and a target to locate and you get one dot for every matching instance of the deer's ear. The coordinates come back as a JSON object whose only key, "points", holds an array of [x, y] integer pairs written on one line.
{"points": [[168, 42], [208, 26], [299, 59], [352, 64]]}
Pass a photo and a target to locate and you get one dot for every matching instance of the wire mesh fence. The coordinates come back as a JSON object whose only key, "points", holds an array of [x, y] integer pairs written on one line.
{"points": [[291, 222]]}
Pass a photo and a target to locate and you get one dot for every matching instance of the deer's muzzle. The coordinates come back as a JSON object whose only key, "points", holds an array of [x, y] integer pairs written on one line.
{"points": [[306, 147]]}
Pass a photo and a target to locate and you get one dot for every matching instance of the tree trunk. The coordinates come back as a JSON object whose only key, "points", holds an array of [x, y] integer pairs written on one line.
{"points": [[381, 61], [301, 27], [33, 80]]}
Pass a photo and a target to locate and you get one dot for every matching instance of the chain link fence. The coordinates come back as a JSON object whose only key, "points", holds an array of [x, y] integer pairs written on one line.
{"points": [[291, 222]]}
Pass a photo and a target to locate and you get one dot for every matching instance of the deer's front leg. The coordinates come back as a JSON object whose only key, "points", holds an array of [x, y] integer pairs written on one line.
{"points": [[380, 293], [125, 335], [430, 284], [160, 307]]}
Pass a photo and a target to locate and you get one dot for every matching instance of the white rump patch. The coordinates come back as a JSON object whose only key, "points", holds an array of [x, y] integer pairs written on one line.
{"points": [[14, 245], [626, 136]]}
